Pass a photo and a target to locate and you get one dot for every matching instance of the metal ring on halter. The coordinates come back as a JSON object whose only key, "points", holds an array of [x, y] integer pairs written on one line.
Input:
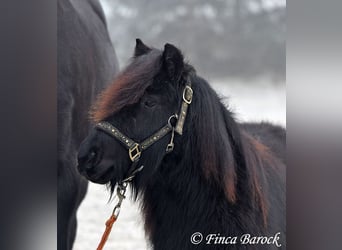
{"points": [[169, 120]]}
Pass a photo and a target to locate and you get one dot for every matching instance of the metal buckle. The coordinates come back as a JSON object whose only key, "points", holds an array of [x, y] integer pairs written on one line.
{"points": [[187, 94], [134, 152]]}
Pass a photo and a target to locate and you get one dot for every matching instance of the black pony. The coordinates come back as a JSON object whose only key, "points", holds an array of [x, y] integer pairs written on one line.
{"points": [[222, 179], [86, 63]]}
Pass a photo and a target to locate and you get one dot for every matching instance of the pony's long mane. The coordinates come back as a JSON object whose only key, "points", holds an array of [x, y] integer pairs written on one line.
{"points": [[227, 155]]}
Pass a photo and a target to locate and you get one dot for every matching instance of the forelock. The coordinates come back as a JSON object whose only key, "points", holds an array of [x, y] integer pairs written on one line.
{"points": [[128, 87]]}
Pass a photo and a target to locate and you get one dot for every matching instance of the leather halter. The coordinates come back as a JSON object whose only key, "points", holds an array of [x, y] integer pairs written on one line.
{"points": [[135, 149]]}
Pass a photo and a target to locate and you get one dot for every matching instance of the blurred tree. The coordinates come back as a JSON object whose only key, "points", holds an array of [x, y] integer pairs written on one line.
{"points": [[235, 38]]}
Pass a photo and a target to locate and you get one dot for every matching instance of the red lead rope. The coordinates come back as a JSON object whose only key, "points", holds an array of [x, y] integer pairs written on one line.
{"points": [[120, 191], [109, 225]]}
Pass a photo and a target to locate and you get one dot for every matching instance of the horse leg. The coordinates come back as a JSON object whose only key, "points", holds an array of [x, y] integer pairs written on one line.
{"points": [[71, 191], [62, 232], [63, 223], [72, 230]]}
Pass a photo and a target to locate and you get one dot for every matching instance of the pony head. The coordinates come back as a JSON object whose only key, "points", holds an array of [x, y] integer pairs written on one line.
{"points": [[139, 102]]}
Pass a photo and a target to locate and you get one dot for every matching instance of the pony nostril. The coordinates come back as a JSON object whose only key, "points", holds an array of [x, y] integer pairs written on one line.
{"points": [[91, 159], [87, 159], [92, 156]]}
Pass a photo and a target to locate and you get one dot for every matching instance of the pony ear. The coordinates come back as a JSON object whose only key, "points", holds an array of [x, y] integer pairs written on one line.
{"points": [[173, 62], [140, 48]]}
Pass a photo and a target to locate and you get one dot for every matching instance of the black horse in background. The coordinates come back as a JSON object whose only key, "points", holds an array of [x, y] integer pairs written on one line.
{"points": [[86, 64], [221, 177]]}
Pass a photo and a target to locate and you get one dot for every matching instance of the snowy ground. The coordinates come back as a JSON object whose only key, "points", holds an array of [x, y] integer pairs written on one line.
{"points": [[261, 102]]}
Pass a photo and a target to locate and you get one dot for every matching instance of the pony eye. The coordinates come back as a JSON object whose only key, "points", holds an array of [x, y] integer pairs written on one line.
{"points": [[149, 103]]}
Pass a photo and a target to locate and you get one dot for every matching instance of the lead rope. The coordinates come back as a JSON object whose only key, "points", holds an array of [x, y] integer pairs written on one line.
{"points": [[120, 192]]}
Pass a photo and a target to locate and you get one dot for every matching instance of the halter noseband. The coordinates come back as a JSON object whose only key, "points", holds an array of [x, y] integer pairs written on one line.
{"points": [[135, 149]]}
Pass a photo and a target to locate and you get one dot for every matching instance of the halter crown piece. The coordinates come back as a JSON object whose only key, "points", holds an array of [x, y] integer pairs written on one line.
{"points": [[135, 150]]}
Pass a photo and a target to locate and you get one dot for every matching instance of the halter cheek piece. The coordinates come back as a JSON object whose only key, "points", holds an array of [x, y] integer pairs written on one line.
{"points": [[135, 149]]}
